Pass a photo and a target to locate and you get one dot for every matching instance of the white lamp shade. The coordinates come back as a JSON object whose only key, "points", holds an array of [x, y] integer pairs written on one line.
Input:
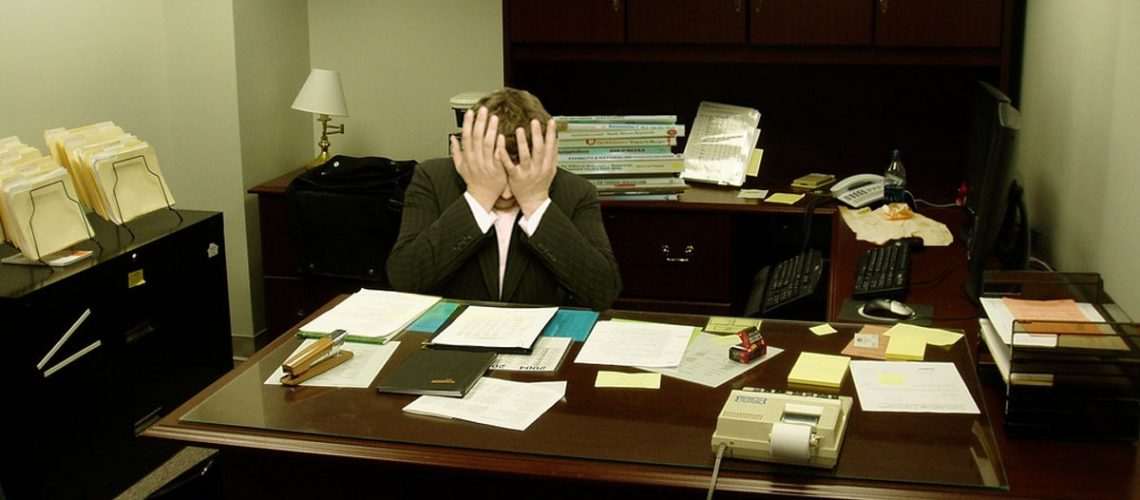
{"points": [[322, 94]]}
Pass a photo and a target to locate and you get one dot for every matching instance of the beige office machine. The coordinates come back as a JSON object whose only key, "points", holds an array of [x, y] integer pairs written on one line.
{"points": [[784, 427]]}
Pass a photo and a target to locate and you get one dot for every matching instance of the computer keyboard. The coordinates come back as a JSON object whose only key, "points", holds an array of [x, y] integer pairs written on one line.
{"points": [[789, 280], [883, 272]]}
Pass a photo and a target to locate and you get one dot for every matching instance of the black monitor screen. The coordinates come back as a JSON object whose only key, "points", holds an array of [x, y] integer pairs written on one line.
{"points": [[987, 178]]}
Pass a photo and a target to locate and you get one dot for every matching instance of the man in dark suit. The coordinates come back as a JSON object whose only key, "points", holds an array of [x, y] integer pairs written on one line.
{"points": [[499, 221]]}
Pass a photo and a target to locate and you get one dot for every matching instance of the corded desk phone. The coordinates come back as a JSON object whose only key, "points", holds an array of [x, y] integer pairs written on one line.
{"points": [[796, 428], [859, 190]]}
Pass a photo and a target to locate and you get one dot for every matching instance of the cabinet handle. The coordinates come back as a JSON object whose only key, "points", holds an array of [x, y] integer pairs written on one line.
{"points": [[757, 5], [883, 6], [739, 4], [617, 5], [667, 253]]}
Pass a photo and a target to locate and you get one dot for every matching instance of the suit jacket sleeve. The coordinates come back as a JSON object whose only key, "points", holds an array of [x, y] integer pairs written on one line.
{"points": [[438, 234], [571, 242]]}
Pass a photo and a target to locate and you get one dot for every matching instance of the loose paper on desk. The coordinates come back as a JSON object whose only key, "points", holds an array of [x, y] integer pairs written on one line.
{"points": [[910, 386], [372, 314], [1001, 317], [871, 226], [501, 403], [496, 327], [544, 357], [706, 362], [627, 343], [359, 371]]}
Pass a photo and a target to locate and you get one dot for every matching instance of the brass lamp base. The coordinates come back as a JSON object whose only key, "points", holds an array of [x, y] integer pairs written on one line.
{"points": [[324, 144], [318, 161]]}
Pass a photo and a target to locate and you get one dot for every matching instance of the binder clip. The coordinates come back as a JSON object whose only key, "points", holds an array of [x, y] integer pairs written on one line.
{"points": [[320, 357]]}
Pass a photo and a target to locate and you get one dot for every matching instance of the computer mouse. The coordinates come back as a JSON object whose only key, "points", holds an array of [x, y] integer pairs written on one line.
{"points": [[886, 309]]}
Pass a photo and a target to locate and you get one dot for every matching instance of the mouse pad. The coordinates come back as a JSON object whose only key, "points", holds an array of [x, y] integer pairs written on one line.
{"points": [[850, 313]]}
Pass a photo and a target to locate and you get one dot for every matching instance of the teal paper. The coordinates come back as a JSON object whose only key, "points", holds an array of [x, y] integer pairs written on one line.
{"points": [[573, 323], [431, 320]]}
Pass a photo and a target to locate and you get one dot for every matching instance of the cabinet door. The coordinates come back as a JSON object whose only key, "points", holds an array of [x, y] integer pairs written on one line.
{"points": [[938, 23], [811, 22], [672, 255], [687, 21], [578, 21]]}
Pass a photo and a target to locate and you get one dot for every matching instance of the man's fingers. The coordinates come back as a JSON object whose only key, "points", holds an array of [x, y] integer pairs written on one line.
{"points": [[489, 137], [479, 128], [466, 133], [456, 152], [524, 148], [551, 138], [502, 156]]}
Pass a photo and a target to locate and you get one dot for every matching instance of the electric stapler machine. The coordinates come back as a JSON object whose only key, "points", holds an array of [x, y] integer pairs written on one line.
{"points": [[796, 428], [319, 357]]}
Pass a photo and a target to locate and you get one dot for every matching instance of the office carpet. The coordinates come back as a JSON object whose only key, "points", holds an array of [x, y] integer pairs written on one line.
{"points": [[179, 463]]}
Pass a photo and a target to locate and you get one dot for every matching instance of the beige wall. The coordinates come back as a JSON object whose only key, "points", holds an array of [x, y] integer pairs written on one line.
{"points": [[400, 61], [271, 41], [1079, 146]]}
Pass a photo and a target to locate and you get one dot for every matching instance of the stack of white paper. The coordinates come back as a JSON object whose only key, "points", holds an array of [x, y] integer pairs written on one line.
{"points": [[40, 212], [492, 401], [372, 314]]}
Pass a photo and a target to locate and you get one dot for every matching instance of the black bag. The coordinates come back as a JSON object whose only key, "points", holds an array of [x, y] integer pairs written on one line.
{"points": [[346, 216]]}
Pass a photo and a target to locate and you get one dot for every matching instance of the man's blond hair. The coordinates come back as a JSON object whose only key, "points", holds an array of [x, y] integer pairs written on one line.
{"points": [[515, 108]]}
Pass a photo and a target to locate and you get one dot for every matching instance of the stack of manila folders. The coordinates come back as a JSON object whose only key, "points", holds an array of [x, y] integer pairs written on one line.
{"points": [[99, 167]]}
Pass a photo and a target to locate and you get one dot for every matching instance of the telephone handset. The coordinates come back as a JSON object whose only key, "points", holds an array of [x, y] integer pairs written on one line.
{"points": [[859, 190]]}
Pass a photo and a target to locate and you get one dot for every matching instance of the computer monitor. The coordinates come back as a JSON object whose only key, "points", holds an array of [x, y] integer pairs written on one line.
{"points": [[987, 182]]}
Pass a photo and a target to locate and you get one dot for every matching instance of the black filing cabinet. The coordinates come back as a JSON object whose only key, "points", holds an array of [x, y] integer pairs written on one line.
{"points": [[148, 314]]}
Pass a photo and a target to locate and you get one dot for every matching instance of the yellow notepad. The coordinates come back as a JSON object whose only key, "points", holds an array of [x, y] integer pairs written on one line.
{"points": [[906, 348], [812, 368]]}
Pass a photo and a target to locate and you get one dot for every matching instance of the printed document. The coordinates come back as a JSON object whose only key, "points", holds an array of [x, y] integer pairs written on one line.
{"points": [[720, 143], [914, 387], [377, 314], [501, 403], [545, 357], [628, 343], [367, 361], [496, 327], [706, 362]]}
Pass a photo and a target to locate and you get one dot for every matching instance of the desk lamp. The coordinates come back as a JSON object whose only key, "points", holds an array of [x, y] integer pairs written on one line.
{"points": [[323, 95]]}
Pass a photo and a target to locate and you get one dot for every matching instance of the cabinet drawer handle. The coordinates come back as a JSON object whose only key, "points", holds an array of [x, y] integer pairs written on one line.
{"points": [[668, 254], [882, 6], [59, 343], [757, 5], [738, 4], [617, 5]]}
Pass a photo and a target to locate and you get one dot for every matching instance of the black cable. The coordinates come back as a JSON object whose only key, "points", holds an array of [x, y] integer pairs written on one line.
{"points": [[808, 211]]}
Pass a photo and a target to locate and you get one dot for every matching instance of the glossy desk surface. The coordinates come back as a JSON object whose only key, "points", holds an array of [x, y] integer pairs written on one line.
{"points": [[653, 437]]}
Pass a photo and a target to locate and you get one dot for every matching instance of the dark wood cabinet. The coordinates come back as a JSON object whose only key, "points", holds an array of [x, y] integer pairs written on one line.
{"points": [[579, 21], [149, 322], [939, 23], [687, 21], [812, 22]]}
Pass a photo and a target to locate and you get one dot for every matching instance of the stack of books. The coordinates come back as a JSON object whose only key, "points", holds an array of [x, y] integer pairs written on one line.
{"points": [[626, 157]]}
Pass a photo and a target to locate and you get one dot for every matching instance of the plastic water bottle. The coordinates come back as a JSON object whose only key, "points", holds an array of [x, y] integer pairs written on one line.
{"points": [[894, 180]]}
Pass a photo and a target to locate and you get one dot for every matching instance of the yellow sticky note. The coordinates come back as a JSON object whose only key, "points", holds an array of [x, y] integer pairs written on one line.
{"points": [[912, 348], [754, 162], [934, 336], [821, 330], [628, 380], [726, 340], [892, 379], [813, 368], [784, 198], [728, 324]]}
